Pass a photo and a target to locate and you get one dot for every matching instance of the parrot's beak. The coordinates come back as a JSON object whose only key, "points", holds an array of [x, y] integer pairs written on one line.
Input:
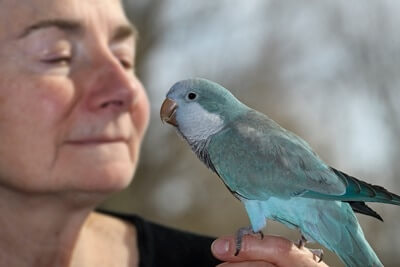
{"points": [[167, 112]]}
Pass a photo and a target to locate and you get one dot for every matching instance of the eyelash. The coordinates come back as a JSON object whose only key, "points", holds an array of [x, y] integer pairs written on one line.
{"points": [[65, 60], [126, 64]]}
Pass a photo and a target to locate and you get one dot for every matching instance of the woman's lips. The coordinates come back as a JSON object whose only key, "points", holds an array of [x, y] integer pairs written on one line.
{"points": [[97, 141]]}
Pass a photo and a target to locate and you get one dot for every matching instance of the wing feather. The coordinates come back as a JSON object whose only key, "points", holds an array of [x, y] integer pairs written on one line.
{"points": [[257, 159]]}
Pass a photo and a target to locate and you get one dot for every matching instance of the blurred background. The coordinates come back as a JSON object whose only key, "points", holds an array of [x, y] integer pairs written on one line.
{"points": [[326, 70]]}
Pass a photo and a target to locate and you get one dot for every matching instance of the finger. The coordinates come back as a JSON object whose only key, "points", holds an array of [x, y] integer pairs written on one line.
{"points": [[247, 264], [273, 249], [267, 249]]}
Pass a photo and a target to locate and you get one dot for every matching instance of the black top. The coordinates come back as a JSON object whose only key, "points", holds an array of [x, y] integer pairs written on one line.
{"points": [[163, 246]]}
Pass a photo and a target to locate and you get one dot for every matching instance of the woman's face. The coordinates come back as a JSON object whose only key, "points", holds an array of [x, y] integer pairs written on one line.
{"points": [[72, 112]]}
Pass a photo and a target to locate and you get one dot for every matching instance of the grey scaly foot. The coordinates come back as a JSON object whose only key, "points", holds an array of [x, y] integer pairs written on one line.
{"points": [[316, 252], [242, 232]]}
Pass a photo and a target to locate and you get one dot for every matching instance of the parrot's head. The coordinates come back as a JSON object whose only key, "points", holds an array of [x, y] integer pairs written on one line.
{"points": [[199, 108]]}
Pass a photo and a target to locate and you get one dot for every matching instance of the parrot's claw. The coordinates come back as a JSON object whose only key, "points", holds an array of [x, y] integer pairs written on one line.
{"points": [[242, 232], [302, 241], [318, 253]]}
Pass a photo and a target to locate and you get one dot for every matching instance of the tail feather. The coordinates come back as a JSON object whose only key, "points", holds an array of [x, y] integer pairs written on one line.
{"points": [[357, 190], [338, 230], [361, 207], [361, 254]]}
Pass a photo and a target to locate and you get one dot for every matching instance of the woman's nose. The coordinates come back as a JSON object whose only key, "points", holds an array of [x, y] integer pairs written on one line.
{"points": [[112, 87]]}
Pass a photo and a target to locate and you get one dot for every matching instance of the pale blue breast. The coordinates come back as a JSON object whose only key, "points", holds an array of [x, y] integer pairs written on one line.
{"points": [[315, 218]]}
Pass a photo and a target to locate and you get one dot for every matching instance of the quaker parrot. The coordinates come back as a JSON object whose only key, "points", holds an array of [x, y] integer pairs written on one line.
{"points": [[272, 171]]}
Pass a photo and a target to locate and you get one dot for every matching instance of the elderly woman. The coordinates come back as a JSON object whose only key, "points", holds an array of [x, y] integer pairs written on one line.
{"points": [[72, 119]]}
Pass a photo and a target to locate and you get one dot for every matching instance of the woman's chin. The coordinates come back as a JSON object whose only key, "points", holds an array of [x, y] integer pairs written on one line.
{"points": [[104, 179], [101, 169], [110, 179]]}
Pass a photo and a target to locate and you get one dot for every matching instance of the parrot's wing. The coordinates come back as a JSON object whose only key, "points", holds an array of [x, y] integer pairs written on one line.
{"points": [[357, 192], [257, 159]]}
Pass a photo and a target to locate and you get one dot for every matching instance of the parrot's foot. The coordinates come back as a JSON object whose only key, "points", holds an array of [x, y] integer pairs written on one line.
{"points": [[302, 241], [242, 232], [317, 252]]}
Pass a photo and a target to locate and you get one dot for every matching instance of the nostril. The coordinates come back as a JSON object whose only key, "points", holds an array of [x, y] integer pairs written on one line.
{"points": [[117, 103]]}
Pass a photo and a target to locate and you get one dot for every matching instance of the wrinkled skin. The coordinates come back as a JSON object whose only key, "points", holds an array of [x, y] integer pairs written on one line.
{"points": [[73, 115], [58, 86]]}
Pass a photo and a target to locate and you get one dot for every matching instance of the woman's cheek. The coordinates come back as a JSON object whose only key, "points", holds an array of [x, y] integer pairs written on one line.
{"points": [[57, 96], [141, 113]]}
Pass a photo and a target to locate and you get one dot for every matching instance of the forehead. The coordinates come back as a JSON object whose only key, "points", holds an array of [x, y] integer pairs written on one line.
{"points": [[19, 14]]}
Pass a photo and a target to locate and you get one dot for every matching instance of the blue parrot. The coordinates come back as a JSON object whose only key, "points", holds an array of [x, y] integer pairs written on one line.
{"points": [[273, 172]]}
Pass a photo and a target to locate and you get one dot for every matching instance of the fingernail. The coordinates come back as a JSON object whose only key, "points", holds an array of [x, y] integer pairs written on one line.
{"points": [[220, 246]]}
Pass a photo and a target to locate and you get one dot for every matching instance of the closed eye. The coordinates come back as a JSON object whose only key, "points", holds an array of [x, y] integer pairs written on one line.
{"points": [[126, 64], [62, 60]]}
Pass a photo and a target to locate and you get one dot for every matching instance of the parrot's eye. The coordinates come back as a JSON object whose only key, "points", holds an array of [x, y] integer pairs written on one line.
{"points": [[192, 96]]}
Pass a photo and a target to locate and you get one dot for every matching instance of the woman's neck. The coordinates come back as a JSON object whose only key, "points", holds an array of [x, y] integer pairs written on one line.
{"points": [[106, 241], [39, 230]]}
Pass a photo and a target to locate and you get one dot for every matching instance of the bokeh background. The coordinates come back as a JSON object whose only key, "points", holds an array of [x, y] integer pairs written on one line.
{"points": [[326, 70]]}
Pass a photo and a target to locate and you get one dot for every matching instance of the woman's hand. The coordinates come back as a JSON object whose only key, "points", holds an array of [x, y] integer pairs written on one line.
{"points": [[269, 251]]}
